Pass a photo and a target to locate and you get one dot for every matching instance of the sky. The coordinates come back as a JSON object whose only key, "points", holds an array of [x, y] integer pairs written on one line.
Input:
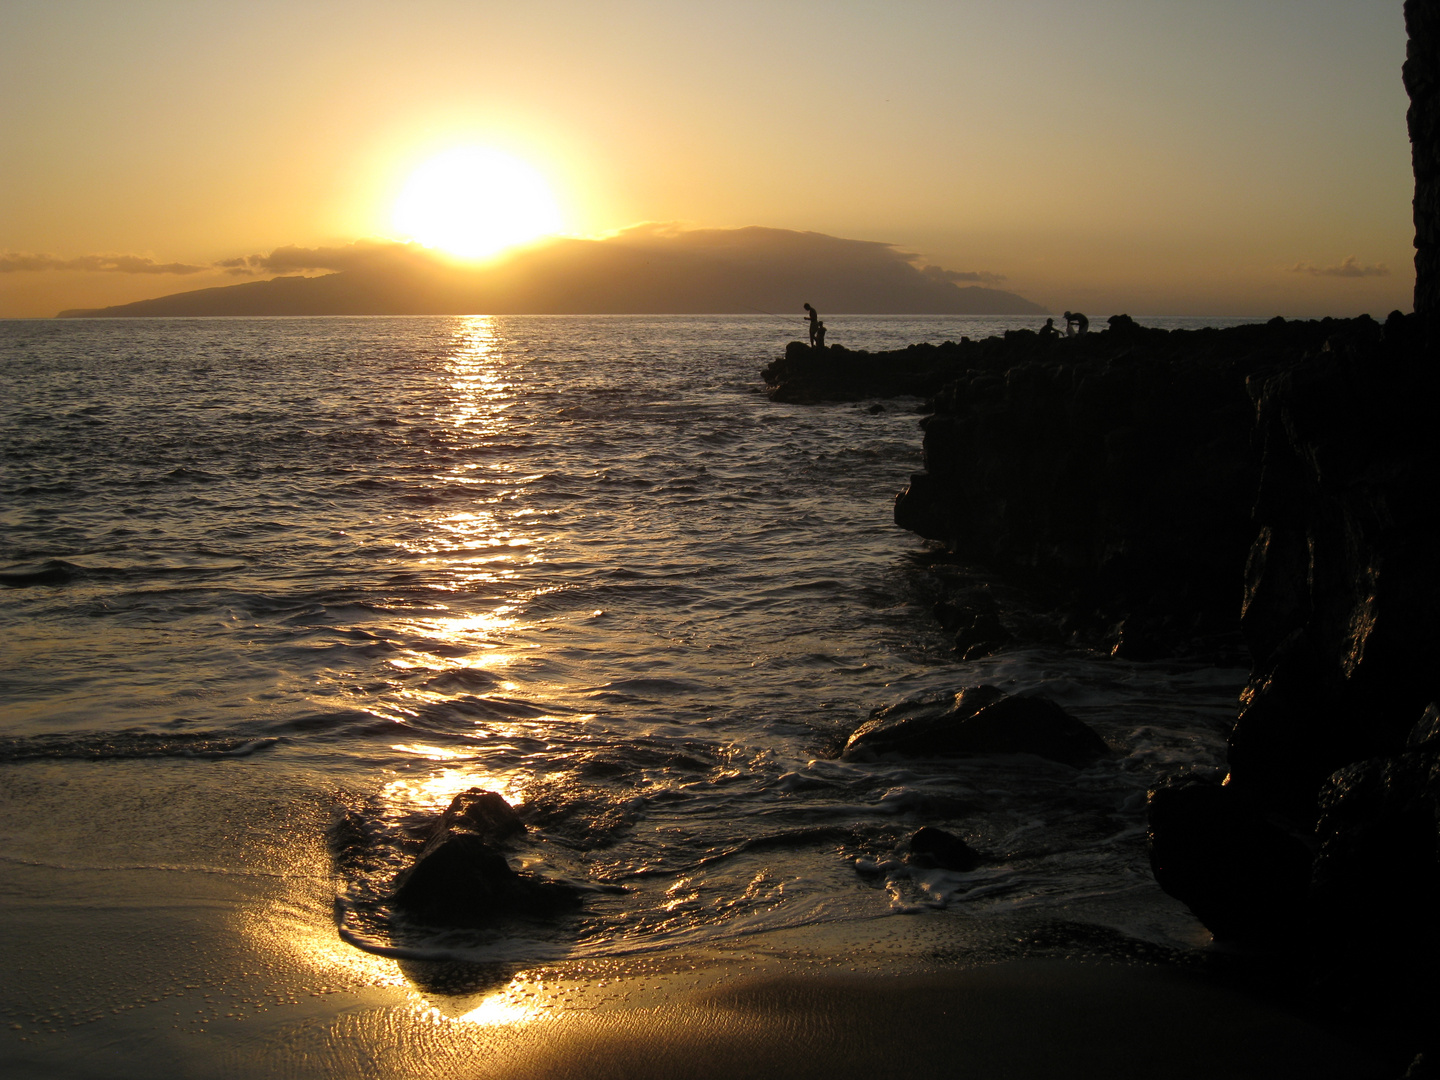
{"points": [[1211, 157]]}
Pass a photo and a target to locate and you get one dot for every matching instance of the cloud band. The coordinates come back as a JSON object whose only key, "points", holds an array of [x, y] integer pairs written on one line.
{"points": [[1350, 268], [14, 262]]}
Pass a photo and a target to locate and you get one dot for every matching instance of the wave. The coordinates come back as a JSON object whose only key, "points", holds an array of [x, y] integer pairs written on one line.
{"points": [[50, 572], [56, 572], [128, 745]]}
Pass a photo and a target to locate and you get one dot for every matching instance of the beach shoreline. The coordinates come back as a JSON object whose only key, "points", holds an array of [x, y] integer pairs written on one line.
{"points": [[126, 959]]}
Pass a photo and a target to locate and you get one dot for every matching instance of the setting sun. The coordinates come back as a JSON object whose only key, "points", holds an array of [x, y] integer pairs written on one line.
{"points": [[474, 201]]}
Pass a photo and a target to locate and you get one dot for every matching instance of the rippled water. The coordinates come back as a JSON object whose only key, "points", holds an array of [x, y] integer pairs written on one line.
{"points": [[580, 561]]}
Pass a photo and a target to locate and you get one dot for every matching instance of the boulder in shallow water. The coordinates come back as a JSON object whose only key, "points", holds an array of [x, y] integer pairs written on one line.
{"points": [[936, 847], [984, 635], [484, 813], [462, 878], [978, 720]]}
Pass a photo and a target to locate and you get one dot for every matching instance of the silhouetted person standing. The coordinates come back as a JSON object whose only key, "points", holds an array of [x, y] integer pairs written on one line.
{"points": [[814, 322], [1075, 323]]}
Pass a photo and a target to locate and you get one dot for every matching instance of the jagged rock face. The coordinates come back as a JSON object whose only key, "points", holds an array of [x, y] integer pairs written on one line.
{"points": [[1342, 587], [806, 375], [1342, 581], [1422, 81], [1239, 872], [1326, 833], [1375, 886], [1114, 470]]}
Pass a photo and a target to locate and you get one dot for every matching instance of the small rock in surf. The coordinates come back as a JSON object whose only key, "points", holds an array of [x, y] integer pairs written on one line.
{"points": [[978, 720]]}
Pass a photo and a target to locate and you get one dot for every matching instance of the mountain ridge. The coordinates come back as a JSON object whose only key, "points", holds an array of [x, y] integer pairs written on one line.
{"points": [[644, 270]]}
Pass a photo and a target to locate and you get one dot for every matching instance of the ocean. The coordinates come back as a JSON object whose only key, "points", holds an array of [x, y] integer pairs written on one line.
{"points": [[263, 579]]}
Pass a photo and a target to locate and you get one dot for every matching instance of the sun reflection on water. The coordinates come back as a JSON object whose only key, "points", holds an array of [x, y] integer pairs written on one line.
{"points": [[512, 1005], [474, 551], [478, 373], [434, 791], [459, 646]]}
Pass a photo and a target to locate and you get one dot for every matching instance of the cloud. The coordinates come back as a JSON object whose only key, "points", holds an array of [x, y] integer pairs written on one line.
{"points": [[1350, 268], [957, 276], [14, 262], [359, 255]]}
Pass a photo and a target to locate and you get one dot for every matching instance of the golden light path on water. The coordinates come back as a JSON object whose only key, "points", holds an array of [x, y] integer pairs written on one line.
{"points": [[472, 550], [473, 553]]}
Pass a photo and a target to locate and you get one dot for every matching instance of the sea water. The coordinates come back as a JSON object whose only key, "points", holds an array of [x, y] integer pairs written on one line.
{"points": [[581, 561]]}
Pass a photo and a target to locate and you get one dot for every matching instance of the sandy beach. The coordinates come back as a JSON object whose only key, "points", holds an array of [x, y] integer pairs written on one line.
{"points": [[132, 951]]}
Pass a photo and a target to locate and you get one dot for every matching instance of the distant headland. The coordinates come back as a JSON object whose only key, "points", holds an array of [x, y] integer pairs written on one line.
{"points": [[648, 269]]}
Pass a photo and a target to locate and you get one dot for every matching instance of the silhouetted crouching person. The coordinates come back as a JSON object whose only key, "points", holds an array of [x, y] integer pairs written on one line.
{"points": [[814, 322], [1048, 330], [1075, 323]]}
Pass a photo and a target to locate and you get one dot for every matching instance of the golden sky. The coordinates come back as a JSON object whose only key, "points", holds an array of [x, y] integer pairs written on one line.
{"points": [[1148, 156]]}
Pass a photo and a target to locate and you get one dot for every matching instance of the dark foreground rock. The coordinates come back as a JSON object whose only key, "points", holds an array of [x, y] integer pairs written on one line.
{"points": [[835, 373], [484, 813], [1335, 738], [1377, 874], [1238, 869], [462, 878], [979, 720], [1114, 473], [1340, 589], [936, 847]]}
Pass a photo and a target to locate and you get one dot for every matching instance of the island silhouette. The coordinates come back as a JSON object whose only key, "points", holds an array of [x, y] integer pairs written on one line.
{"points": [[647, 269]]}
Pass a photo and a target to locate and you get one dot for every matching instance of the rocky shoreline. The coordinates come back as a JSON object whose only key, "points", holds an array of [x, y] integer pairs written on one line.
{"points": [[1277, 480]]}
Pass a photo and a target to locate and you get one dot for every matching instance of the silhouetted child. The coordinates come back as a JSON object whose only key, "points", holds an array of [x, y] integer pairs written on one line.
{"points": [[814, 322], [818, 334]]}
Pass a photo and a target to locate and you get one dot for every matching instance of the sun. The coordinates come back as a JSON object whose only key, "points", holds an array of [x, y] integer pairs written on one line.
{"points": [[473, 201]]}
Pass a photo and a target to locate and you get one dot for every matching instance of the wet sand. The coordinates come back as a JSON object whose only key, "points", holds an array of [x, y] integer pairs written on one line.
{"points": [[159, 928]]}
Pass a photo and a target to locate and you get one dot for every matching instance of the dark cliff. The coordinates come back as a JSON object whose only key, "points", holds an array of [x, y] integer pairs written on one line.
{"points": [[1325, 837], [1286, 480], [1113, 471], [1279, 479], [1422, 82]]}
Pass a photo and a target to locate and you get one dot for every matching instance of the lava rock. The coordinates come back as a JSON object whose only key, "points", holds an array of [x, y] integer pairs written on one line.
{"points": [[461, 880], [1421, 73], [1376, 882], [983, 636], [978, 720], [484, 813], [1113, 474], [1242, 874], [1140, 638], [1425, 735], [936, 847], [1342, 581], [807, 375]]}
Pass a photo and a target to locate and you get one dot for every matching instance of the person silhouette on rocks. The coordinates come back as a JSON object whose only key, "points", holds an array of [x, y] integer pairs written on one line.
{"points": [[814, 322], [1048, 330], [1075, 323], [818, 334]]}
